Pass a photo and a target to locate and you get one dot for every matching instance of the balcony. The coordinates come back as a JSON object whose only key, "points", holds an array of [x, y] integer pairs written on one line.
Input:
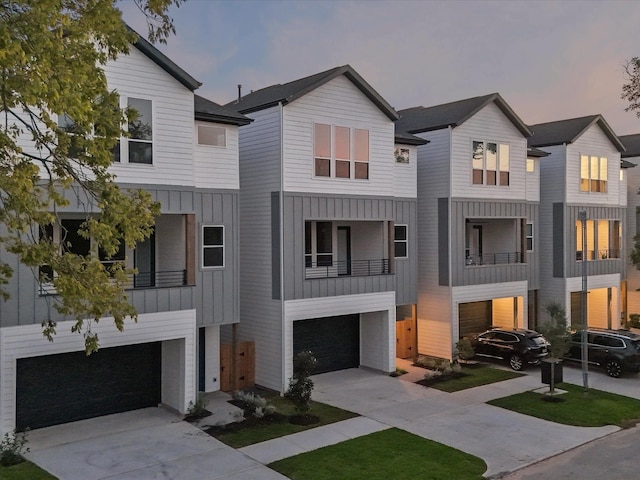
{"points": [[176, 278], [353, 268], [494, 258]]}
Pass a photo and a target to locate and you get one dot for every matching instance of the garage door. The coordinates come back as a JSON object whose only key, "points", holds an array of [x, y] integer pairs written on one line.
{"points": [[334, 341], [474, 317], [67, 387]]}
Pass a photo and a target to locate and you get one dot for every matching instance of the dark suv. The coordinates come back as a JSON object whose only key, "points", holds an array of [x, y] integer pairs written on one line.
{"points": [[518, 346], [614, 350]]}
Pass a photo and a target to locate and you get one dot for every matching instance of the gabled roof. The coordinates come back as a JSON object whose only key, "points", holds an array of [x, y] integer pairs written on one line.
{"points": [[404, 138], [209, 111], [568, 131], [626, 164], [164, 62], [288, 92], [632, 144], [425, 119], [537, 153]]}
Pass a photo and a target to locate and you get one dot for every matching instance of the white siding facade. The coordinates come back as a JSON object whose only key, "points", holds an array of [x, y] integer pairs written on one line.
{"points": [[217, 167]]}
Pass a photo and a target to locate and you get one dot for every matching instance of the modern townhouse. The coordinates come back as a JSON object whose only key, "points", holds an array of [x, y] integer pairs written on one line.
{"points": [[477, 220], [630, 159], [186, 288], [582, 173], [328, 225]]}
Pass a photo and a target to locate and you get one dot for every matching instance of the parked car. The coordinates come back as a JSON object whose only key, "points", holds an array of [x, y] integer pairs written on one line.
{"points": [[614, 350], [518, 346]]}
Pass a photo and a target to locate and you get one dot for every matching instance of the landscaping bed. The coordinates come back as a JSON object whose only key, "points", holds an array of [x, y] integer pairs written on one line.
{"points": [[24, 471], [468, 376]]}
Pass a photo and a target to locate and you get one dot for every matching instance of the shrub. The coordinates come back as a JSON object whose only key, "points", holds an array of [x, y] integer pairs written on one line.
{"points": [[464, 349], [198, 409], [301, 385], [634, 320], [257, 405], [12, 448]]}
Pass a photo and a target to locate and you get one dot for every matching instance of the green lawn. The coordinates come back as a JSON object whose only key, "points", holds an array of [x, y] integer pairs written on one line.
{"points": [[249, 432], [594, 409], [473, 376], [384, 455], [24, 471]]}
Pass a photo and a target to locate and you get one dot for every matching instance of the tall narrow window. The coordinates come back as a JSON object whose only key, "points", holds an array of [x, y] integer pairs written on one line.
{"points": [[361, 153], [324, 244], [308, 247], [400, 241], [478, 163], [593, 173], [343, 152], [140, 132], [529, 237], [504, 164], [531, 165], [322, 149], [492, 163], [212, 246]]}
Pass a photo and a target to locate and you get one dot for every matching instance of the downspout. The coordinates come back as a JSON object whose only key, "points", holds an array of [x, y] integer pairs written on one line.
{"points": [[283, 341], [449, 234]]}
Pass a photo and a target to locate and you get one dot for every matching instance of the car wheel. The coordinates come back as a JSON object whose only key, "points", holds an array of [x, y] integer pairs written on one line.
{"points": [[516, 362], [613, 368]]}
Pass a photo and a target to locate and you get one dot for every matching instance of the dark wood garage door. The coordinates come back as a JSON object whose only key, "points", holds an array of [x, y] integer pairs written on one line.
{"points": [[63, 388], [474, 317], [334, 341]]}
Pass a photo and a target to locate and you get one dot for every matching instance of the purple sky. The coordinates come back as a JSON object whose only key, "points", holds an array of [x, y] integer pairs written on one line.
{"points": [[550, 60]]}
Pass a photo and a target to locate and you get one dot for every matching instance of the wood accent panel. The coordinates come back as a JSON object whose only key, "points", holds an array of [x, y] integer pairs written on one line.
{"points": [[244, 366], [406, 338]]}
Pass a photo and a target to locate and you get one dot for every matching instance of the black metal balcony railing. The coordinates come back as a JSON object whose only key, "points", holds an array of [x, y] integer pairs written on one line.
{"points": [[353, 268], [494, 258], [177, 278], [598, 254]]}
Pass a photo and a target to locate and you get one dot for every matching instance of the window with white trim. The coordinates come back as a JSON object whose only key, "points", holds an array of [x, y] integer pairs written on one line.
{"points": [[212, 135], [529, 237], [401, 241], [593, 173], [402, 155], [318, 244], [531, 165], [212, 246], [490, 163], [340, 152]]}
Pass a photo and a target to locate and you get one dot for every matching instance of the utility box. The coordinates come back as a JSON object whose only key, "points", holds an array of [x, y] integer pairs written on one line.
{"points": [[545, 369]]}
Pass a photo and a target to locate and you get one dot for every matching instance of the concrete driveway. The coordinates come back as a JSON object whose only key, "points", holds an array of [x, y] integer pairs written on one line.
{"points": [[145, 444]]}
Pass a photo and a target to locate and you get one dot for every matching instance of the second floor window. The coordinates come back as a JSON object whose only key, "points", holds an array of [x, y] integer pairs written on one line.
{"points": [[593, 173], [318, 244], [341, 152], [140, 139], [603, 239], [212, 246], [490, 163], [401, 241], [529, 237], [212, 135]]}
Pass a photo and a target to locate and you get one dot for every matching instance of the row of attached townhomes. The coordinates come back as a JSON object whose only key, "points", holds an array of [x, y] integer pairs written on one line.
{"points": [[312, 215]]}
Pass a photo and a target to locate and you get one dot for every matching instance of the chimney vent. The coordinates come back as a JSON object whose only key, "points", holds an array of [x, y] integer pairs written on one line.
{"points": [[239, 93]]}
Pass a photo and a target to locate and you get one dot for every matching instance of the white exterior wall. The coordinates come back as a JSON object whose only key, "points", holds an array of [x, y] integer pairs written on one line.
{"points": [[337, 102], [595, 307], [212, 358], [377, 331], [593, 142], [489, 125], [135, 75], [177, 331], [533, 182], [217, 167], [405, 175], [624, 179]]}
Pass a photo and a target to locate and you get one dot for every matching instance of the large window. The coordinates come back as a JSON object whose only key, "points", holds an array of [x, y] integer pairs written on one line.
{"points": [[341, 152], [140, 139], [401, 241], [212, 246], [603, 239], [318, 244], [593, 173], [212, 135], [490, 163]]}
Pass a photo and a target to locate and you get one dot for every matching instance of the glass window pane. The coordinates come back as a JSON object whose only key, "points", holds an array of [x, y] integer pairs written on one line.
{"points": [[343, 169], [400, 232], [491, 177], [213, 257], [492, 156], [594, 171], [140, 152], [215, 136], [323, 167], [213, 236], [531, 165], [400, 249], [140, 128], [529, 229], [477, 177], [504, 178], [71, 240], [504, 157], [343, 143], [402, 155], [478, 156], [322, 140], [361, 146], [307, 238], [603, 168], [324, 233], [362, 170]]}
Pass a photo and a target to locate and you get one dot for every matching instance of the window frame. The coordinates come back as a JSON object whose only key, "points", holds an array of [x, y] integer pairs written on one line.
{"points": [[312, 254], [121, 151], [206, 126], [402, 155], [529, 237], [404, 241], [204, 247], [495, 163], [595, 167], [335, 164]]}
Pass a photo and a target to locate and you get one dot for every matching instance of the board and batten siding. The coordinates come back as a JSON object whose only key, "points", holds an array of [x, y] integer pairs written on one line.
{"points": [[488, 125], [28, 341], [405, 175], [406, 269], [217, 167], [135, 75], [260, 314], [593, 142], [340, 103]]}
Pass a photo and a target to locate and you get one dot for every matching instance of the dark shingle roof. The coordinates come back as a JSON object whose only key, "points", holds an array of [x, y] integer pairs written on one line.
{"points": [[425, 119], [288, 92], [568, 131], [632, 144], [405, 138], [165, 62], [626, 164], [535, 152], [209, 111]]}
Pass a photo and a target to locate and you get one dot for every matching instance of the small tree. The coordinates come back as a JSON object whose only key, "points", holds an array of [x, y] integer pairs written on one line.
{"points": [[301, 385], [557, 333]]}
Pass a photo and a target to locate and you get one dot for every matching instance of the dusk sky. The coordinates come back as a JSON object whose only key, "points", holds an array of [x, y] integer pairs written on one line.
{"points": [[550, 60]]}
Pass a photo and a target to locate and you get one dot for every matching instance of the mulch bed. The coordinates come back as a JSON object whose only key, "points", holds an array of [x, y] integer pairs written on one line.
{"points": [[248, 422], [427, 382]]}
